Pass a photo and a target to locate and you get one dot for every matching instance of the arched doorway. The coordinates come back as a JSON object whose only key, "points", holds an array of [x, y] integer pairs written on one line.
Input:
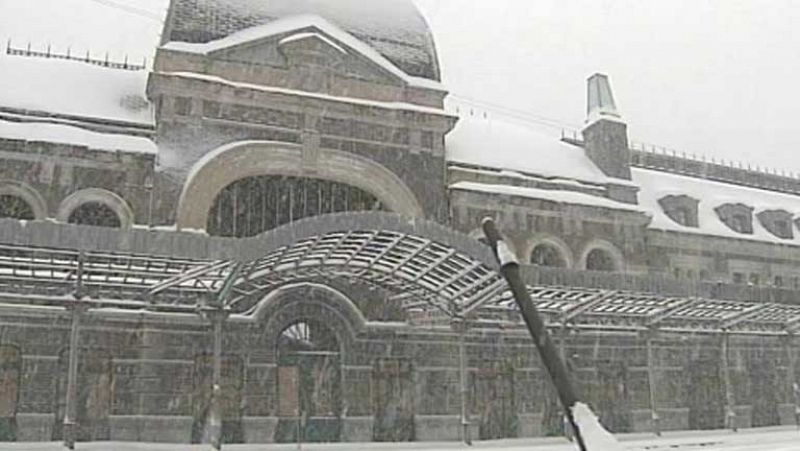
{"points": [[309, 383], [254, 205], [600, 260], [546, 254], [12, 206], [94, 214]]}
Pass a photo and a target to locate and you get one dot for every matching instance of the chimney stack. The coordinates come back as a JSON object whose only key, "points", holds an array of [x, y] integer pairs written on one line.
{"points": [[605, 135]]}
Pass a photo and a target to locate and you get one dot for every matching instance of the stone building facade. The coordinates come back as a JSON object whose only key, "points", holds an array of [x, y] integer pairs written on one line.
{"points": [[260, 135]]}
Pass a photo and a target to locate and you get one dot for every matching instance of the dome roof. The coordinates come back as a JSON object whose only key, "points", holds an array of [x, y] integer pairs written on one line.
{"points": [[395, 28]]}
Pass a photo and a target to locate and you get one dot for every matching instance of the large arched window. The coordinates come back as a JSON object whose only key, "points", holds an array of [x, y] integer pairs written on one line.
{"points": [[12, 206], [546, 254], [256, 204], [600, 260], [94, 214]]}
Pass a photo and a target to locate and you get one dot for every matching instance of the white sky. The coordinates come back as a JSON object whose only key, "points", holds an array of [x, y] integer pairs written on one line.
{"points": [[713, 77]]}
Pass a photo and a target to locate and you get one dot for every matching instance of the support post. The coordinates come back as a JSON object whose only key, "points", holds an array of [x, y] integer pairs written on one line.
{"points": [[461, 326], [217, 318], [217, 312], [651, 383], [70, 427], [730, 403], [794, 384]]}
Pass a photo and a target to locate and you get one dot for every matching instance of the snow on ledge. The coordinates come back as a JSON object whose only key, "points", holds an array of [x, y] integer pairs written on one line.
{"points": [[312, 35], [298, 22], [66, 134], [403, 106], [557, 196]]}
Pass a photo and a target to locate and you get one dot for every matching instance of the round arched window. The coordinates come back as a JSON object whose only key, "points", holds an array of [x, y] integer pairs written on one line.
{"points": [[600, 260], [254, 205], [547, 255], [94, 214], [15, 207]]}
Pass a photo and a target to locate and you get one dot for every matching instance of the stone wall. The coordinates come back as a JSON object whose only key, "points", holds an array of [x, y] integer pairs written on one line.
{"points": [[154, 390], [52, 173]]}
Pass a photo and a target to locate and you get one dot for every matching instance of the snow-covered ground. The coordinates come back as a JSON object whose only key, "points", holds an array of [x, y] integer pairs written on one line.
{"points": [[766, 439]]}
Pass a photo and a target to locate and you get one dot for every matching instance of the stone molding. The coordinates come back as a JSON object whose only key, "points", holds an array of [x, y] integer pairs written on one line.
{"points": [[99, 195], [28, 194], [227, 164]]}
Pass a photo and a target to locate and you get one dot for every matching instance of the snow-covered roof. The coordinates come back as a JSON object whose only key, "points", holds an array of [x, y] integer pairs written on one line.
{"points": [[66, 134], [502, 143], [557, 196], [74, 88], [394, 28], [656, 185], [129, 28], [302, 22]]}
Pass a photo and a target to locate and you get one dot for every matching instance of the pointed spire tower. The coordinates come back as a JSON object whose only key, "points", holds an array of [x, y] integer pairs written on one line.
{"points": [[605, 135]]}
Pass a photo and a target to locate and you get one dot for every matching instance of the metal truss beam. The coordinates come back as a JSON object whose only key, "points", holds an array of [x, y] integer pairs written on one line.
{"points": [[664, 314], [187, 276], [737, 318], [586, 305]]}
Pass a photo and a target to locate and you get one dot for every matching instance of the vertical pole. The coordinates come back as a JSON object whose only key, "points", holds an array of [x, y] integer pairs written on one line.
{"points": [[730, 404], [462, 363], [562, 350], [548, 351], [651, 383], [71, 409], [70, 420], [216, 380], [794, 385]]}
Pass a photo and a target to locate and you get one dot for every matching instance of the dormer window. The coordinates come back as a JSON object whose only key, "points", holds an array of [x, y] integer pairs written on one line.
{"points": [[681, 209], [738, 217], [778, 222]]}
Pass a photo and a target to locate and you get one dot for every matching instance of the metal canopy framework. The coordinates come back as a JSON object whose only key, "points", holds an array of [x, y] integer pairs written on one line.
{"points": [[432, 281]]}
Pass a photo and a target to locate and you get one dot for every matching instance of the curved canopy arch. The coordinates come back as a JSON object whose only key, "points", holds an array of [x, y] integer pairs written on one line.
{"points": [[122, 275], [430, 269], [225, 165]]}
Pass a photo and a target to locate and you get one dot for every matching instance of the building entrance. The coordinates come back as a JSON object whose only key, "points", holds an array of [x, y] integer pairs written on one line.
{"points": [[308, 384]]}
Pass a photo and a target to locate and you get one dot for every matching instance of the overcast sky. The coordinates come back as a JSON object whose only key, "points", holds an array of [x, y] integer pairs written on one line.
{"points": [[713, 77], [710, 77]]}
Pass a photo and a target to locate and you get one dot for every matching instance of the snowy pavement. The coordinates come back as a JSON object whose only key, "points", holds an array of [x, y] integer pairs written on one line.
{"points": [[767, 439]]}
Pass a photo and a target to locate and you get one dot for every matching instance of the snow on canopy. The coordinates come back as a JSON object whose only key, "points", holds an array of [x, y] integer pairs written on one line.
{"points": [[656, 185], [395, 28], [76, 136], [501, 143], [74, 88]]}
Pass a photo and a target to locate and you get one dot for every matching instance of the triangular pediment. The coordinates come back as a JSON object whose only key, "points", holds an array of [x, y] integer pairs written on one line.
{"points": [[276, 43]]}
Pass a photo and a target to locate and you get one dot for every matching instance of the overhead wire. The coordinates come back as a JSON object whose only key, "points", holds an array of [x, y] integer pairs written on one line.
{"points": [[131, 9]]}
